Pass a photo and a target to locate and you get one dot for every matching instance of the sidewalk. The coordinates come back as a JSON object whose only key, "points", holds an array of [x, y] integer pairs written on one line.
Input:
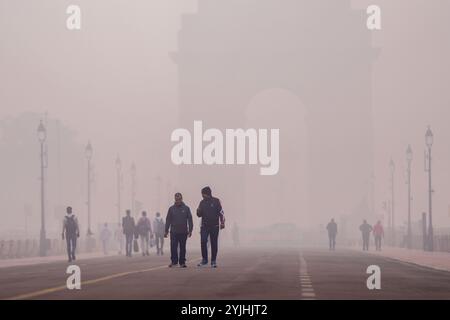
{"points": [[5, 263], [435, 260]]}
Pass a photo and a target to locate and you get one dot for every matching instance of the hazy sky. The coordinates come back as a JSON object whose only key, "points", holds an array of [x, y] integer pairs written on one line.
{"points": [[114, 83]]}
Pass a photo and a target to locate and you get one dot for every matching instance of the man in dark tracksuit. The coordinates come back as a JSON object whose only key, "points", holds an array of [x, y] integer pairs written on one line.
{"points": [[129, 229], [365, 229], [210, 210], [179, 222]]}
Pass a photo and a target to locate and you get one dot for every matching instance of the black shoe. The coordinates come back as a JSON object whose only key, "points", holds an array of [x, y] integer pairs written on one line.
{"points": [[213, 264], [183, 265], [172, 265], [202, 264]]}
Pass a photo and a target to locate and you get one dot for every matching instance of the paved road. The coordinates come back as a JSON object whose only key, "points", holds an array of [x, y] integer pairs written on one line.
{"points": [[245, 273]]}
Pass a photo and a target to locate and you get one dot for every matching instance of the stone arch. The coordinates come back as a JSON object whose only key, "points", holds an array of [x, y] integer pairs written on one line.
{"points": [[285, 194], [317, 49]]}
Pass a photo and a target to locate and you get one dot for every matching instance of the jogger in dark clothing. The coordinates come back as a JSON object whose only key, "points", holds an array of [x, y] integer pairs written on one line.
{"points": [[210, 210], [179, 223], [70, 232], [129, 229]]}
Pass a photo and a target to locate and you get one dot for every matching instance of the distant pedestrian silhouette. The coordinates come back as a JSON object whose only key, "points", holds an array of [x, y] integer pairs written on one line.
{"points": [[144, 230], [70, 232], [129, 229], [378, 233], [158, 229], [332, 232], [365, 229], [105, 236]]}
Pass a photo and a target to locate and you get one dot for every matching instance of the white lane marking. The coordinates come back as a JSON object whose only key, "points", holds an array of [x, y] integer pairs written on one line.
{"points": [[307, 294], [305, 281]]}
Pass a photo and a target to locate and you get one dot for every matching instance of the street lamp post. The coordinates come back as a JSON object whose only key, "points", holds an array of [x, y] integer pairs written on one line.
{"points": [[42, 136], [89, 152], [119, 185], [409, 157], [392, 168], [429, 142], [133, 189]]}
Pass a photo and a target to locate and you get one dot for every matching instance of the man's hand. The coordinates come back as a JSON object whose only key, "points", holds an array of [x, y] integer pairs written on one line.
{"points": [[165, 235], [222, 226], [78, 235], [189, 234]]}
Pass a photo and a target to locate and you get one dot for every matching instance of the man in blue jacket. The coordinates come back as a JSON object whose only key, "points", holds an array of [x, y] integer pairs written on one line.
{"points": [[211, 212], [179, 222]]}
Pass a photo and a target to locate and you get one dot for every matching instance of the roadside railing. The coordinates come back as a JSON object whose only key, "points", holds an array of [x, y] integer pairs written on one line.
{"points": [[28, 248]]}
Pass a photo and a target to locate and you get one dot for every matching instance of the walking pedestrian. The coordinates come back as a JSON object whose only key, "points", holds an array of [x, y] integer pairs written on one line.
{"points": [[128, 227], [105, 235], [70, 232], [213, 220], [158, 228], [179, 223], [378, 233], [332, 232], [144, 230], [365, 229]]}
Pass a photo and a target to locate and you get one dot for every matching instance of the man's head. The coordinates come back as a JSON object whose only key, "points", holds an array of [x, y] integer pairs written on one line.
{"points": [[158, 214], [144, 214], [69, 210], [128, 212], [206, 192], [364, 221], [332, 219], [178, 198], [379, 222]]}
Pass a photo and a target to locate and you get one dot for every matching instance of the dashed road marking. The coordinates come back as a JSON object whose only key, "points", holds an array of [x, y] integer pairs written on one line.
{"points": [[305, 281]]}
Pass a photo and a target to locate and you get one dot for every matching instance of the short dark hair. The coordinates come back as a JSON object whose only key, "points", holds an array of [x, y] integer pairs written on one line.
{"points": [[207, 190]]}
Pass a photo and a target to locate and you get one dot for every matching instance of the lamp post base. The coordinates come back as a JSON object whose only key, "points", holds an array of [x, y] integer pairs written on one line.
{"points": [[42, 244]]}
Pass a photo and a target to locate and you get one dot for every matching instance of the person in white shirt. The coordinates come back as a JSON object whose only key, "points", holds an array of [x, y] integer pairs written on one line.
{"points": [[105, 235]]}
